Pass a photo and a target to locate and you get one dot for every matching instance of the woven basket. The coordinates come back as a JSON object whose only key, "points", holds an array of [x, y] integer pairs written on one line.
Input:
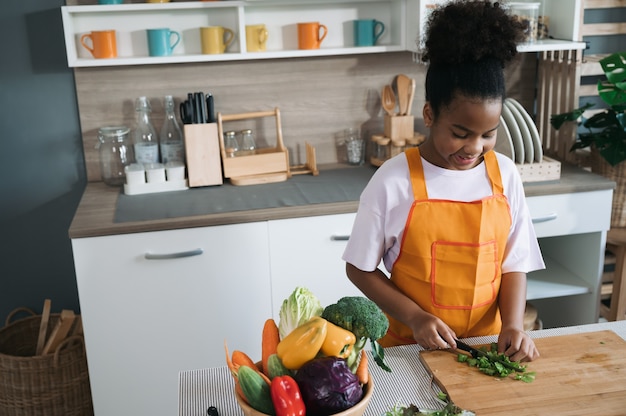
{"points": [[46, 385], [617, 174]]}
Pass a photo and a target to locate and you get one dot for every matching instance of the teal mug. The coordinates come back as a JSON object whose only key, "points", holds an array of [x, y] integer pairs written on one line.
{"points": [[110, 1], [367, 31], [160, 41]]}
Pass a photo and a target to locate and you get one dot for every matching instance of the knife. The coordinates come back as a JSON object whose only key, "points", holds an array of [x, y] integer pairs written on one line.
{"points": [[198, 108], [210, 105], [475, 353]]}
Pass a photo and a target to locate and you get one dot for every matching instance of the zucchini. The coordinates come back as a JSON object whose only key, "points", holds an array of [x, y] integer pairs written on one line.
{"points": [[275, 367], [256, 390]]}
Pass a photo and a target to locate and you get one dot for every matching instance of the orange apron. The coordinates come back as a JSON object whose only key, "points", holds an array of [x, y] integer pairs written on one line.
{"points": [[451, 255]]}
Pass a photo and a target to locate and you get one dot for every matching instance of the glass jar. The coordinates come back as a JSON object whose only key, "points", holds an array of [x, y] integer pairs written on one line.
{"points": [[231, 146], [116, 152], [248, 146], [397, 147]]}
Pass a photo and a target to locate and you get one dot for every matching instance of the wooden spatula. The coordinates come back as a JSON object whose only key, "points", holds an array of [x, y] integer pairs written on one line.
{"points": [[403, 84], [60, 331], [43, 326]]}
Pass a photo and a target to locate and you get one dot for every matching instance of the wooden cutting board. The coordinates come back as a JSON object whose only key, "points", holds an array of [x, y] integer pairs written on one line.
{"points": [[581, 374]]}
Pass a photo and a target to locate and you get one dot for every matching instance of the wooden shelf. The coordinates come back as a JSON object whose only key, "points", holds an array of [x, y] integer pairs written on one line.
{"points": [[280, 17]]}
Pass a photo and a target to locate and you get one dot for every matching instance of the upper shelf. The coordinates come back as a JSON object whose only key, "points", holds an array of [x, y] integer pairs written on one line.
{"points": [[402, 20]]}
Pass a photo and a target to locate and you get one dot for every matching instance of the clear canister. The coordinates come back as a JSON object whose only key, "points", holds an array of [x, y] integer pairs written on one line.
{"points": [[247, 143], [231, 146], [527, 13], [116, 152]]}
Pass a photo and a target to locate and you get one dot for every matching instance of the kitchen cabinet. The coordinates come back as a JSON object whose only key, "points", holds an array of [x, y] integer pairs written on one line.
{"points": [[403, 20], [145, 319], [571, 229], [307, 252]]}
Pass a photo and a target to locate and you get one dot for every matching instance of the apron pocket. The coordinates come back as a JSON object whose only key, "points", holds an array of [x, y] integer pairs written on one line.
{"points": [[464, 275]]}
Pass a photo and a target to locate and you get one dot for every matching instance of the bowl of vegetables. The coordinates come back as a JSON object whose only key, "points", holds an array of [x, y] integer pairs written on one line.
{"points": [[313, 361], [356, 410]]}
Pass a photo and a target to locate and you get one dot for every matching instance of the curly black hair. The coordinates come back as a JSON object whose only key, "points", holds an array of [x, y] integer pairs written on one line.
{"points": [[468, 44]]}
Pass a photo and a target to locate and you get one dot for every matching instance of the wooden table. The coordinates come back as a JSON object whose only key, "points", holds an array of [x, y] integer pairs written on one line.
{"points": [[199, 389]]}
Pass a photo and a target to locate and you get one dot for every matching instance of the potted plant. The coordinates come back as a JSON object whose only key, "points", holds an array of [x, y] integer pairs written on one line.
{"points": [[605, 132]]}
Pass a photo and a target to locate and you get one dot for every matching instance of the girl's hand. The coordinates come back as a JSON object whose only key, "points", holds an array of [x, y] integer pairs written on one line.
{"points": [[517, 345], [431, 332]]}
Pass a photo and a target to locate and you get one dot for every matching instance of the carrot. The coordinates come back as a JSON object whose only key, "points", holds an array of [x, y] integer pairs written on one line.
{"points": [[269, 342], [241, 358], [231, 366], [240, 392], [361, 370]]}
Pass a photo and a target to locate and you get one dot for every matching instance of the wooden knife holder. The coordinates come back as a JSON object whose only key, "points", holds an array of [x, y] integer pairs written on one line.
{"points": [[399, 127], [202, 153], [266, 165]]}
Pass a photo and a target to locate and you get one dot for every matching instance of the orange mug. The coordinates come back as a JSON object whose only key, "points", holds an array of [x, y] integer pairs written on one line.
{"points": [[311, 35], [103, 43]]}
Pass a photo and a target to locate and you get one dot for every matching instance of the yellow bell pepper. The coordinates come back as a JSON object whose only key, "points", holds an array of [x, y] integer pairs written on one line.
{"points": [[338, 342], [303, 343]]}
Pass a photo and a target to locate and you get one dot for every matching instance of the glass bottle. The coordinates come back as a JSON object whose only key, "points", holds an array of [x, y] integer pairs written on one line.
{"points": [[115, 153], [248, 147], [172, 147], [145, 138]]}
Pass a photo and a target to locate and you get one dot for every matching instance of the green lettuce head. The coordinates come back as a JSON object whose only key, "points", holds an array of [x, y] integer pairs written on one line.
{"points": [[297, 309]]}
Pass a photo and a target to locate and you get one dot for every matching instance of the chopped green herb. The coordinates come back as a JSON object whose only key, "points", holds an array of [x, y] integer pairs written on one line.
{"points": [[497, 365]]}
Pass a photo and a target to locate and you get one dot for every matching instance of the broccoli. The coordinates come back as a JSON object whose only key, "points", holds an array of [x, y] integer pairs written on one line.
{"points": [[365, 320]]}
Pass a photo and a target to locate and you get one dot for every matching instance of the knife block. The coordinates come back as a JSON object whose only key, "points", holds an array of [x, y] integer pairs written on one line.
{"points": [[399, 127], [202, 151]]}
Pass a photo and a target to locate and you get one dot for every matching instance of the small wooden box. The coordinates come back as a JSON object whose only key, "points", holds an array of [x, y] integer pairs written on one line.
{"points": [[266, 165], [202, 152], [399, 127]]}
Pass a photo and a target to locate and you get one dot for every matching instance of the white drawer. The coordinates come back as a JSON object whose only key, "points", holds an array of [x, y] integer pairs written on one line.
{"points": [[574, 213]]}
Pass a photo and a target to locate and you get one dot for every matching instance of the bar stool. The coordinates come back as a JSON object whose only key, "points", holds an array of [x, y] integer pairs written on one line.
{"points": [[616, 244]]}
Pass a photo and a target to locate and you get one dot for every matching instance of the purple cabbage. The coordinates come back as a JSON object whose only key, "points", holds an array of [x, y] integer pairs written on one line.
{"points": [[328, 386]]}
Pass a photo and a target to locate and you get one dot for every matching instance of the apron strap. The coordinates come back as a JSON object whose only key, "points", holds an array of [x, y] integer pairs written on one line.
{"points": [[417, 173], [493, 172]]}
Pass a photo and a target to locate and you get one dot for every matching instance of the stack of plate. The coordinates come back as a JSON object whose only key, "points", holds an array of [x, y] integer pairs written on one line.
{"points": [[517, 136]]}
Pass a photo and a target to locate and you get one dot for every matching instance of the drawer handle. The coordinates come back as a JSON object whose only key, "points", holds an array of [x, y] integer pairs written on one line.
{"points": [[180, 254], [550, 217], [339, 237]]}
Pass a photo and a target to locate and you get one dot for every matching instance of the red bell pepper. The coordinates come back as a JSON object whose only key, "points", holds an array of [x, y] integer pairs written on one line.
{"points": [[286, 397]]}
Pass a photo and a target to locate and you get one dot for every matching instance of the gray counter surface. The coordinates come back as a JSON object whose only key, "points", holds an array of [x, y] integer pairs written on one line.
{"points": [[334, 191]]}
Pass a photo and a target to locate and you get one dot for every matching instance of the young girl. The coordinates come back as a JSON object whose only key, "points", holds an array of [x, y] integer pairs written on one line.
{"points": [[449, 219]]}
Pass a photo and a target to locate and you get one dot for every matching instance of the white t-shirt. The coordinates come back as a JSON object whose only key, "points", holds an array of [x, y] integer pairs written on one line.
{"points": [[386, 200]]}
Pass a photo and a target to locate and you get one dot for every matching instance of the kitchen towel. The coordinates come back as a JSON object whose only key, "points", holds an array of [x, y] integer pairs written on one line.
{"points": [[336, 185]]}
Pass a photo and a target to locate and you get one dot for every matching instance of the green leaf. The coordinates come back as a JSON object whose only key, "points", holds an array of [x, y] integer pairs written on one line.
{"points": [[379, 355]]}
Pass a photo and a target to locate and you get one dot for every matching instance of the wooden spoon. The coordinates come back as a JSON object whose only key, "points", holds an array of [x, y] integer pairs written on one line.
{"points": [[389, 100], [411, 96], [403, 83]]}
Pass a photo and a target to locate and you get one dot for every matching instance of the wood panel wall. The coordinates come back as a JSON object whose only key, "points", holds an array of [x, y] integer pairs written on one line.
{"points": [[317, 97]]}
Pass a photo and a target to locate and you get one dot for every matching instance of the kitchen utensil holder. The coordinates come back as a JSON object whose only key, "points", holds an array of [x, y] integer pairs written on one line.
{"points": [[266, 165], [202, 151], [399, 127]]}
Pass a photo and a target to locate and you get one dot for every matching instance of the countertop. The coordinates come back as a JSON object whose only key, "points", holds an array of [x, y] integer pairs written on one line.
{"points": [[95, 215], [199, 389]]}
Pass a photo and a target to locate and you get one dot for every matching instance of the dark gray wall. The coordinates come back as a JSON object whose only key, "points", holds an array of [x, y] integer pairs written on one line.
{"points": [[41, 162]]}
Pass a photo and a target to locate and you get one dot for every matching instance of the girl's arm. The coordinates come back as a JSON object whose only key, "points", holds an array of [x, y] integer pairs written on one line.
{"points": [[513, 340], [428, 331]]}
